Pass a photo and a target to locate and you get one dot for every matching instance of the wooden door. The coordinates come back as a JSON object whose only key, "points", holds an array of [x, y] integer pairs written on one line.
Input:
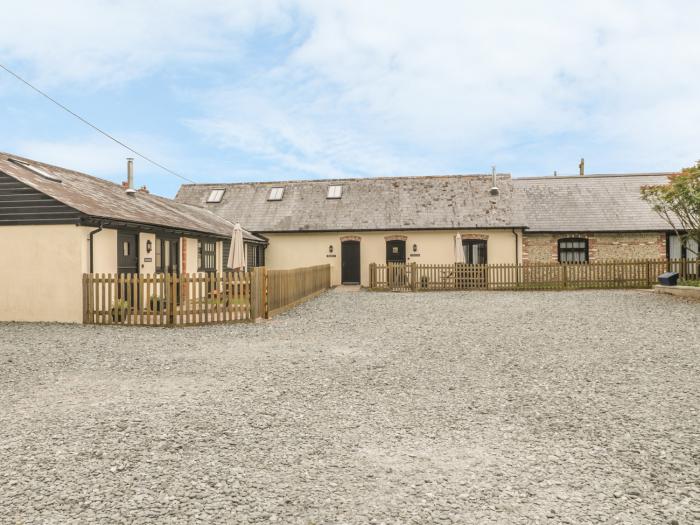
{"points": [[350, 262], [127, 252], [396, 264]]}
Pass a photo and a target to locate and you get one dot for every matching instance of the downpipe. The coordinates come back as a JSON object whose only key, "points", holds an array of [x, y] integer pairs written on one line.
{"points": [[92, 256]]}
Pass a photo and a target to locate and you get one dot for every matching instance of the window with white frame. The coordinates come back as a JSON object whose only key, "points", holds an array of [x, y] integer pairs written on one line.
{"points": [[334, 192], [216, 195], [276, 194]]}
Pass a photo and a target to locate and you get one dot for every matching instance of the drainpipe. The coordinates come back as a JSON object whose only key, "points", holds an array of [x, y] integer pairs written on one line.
{"points": [[517, 256], [92, 234]]}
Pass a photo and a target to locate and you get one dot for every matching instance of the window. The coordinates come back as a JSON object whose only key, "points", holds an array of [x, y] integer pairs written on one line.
{"points": [[275, 194], [474, 251], [206, 255], [36, 169], [255, 254], [159, 255], [334, 192], [573, 250], [216, 196]]}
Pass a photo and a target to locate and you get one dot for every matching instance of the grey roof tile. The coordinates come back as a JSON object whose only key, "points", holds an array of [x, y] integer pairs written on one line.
{"points": [[457, 201], [103, 199]]}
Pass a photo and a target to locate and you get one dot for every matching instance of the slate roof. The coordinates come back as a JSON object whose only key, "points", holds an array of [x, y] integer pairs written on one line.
{"points": [[388, 203], [593, 203], [556, 204], [102, 199]]}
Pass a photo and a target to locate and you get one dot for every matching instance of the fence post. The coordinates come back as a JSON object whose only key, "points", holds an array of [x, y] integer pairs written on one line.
{"points": [[414, 271], [564, 276], [257, 308], [372, 276], [85, 300]]}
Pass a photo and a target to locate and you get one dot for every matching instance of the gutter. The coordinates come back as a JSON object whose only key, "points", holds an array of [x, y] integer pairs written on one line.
{"points": [[92, 235]]}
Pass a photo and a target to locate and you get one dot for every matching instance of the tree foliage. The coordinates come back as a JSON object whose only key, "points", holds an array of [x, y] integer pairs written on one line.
{"points": [[678, 202]]}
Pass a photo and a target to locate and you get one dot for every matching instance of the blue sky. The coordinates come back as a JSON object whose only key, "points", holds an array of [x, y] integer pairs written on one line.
{"points": [[224, 91]]}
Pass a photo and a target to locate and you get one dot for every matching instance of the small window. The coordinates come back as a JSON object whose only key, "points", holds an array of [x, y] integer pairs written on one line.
{"points": [[206, 255], [215, 196], [573, 250], [334, 192], [275, 194], [159, 255], [36, 169]]}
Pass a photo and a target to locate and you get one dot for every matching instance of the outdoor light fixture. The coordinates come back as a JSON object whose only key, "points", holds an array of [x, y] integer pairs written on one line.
{"points": [[149, 246], [415, 248], [330, 248]]}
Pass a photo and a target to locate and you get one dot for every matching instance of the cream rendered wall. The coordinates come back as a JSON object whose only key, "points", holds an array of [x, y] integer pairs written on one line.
{"points": [[41, 273], [104, 250], [219, 256], [293, 250], [189, 254]]}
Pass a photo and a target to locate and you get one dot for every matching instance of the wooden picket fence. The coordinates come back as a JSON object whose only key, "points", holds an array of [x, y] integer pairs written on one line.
{"points": [[641, 273], [288, 288], [197, 299], [166, 299]]}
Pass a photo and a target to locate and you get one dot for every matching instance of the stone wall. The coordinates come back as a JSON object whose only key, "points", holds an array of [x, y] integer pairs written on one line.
{"points": [[542, 247]]}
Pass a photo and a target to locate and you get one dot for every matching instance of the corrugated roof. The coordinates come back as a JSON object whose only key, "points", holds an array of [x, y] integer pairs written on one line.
{"points": [[389, 203], [589, 203], [103, 199]]}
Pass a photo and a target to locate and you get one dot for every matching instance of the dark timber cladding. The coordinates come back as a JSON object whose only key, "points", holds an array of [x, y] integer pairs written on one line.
{"points": [[22, 204]]}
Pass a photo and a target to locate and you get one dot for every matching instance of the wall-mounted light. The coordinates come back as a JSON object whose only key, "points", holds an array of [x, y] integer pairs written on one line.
{"points": [[330, 248], [149, 246], [415, 248]]}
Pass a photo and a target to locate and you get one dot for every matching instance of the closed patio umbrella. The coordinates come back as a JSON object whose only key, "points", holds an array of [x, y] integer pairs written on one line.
{"points": [[236, 255], [459, 250]]}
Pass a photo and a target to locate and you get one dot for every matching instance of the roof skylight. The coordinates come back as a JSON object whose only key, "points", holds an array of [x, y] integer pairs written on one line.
{"points": [[276, 194], [216, 195], [334, 192], [37, 170]]}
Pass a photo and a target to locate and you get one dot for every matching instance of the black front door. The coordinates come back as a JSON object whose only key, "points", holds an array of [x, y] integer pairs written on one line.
{"points": [[396, 264], [396, 252], [127, 252], [350, 262]]}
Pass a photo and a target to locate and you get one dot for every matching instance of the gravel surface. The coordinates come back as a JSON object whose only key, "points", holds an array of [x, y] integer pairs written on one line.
{"points": [[576, 407]]}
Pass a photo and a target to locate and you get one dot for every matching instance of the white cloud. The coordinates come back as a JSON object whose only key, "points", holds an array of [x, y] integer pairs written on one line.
{"points": [[403, 87], [104, 42]]}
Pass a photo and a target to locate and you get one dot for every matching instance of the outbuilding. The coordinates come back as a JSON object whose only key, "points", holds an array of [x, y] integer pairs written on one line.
{"points": [[57, 224]]}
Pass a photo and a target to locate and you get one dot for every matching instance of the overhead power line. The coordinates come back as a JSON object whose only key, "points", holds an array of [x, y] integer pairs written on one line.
{"points": [[85, 121]]}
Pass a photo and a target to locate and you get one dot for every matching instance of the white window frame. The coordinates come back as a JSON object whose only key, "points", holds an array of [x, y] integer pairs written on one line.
{"points": [[216, 195], [37, 170], [335, 191], [276, 193]]}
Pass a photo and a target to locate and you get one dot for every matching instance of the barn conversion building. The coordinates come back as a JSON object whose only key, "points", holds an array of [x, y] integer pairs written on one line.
{"points": [[56, 224], [351, 223]]}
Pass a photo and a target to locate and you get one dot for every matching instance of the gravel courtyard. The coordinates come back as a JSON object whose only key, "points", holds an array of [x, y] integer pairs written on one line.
{"points": [[577, 407]]}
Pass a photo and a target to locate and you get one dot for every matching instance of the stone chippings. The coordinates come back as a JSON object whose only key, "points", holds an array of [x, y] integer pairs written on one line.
{"points": [[577, 407]]}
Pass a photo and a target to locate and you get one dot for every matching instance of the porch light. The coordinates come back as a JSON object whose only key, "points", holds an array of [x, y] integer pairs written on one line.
{"points": [[330, 248], [149, 246], [415, 248]]}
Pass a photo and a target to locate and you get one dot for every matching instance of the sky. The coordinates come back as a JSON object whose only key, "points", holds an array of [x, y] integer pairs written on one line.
{"points": [[239, 90]]}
